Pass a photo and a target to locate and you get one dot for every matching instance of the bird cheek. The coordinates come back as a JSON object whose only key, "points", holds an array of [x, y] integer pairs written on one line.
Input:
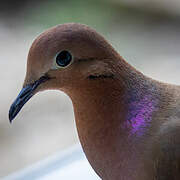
{"points": [[55, 82]]}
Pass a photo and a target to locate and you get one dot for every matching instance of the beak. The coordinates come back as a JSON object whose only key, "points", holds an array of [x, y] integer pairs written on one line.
{"points": [[26, 93]]}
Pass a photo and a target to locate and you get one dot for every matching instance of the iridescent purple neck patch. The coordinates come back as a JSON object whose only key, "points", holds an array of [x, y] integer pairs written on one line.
{"points": [[140, 113]]}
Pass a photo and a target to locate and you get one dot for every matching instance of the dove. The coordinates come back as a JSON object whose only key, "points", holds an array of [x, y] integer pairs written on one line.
{"points": [[128, 124]]}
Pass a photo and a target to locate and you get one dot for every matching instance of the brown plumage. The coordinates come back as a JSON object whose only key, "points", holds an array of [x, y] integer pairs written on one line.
{"points": [[128, 124]]}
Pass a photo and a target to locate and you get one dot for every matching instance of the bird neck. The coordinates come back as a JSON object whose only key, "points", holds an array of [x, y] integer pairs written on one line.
{"points": [[111, 116], [126, 102], [116, 107]]}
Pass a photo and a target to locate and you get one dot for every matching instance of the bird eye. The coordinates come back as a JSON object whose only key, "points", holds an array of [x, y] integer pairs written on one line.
{"points": [[63, 58]]}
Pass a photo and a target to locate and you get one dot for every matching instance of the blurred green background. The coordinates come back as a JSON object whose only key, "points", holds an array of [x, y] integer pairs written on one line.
{"points": [[146, 33]]}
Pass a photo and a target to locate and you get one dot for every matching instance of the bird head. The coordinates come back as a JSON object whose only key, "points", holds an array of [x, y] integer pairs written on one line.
{"points": [[66, 57]]}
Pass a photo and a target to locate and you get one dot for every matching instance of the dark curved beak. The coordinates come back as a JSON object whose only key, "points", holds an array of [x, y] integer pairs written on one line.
{"points": [[25, 94]]}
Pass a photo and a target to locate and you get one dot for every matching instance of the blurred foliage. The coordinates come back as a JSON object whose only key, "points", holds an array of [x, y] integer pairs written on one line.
{"points": [[100, 14], [92, 12]]}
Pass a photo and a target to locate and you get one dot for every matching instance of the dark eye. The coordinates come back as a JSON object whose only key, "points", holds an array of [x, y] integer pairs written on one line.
{"points": [[63, 58]]}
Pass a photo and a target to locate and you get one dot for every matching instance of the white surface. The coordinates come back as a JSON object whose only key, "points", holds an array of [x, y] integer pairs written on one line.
{"points": [[67, 165], [77, 170]]}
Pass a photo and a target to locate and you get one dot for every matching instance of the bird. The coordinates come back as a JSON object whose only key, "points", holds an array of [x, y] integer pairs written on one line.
{"points": [[128, 124]]}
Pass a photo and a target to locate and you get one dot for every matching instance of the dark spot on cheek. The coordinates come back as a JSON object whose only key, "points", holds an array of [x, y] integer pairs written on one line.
{"points": [[101, 76], [86, 59]]}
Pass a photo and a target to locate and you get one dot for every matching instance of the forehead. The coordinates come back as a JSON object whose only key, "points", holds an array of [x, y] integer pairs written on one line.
{"points": [[78, 39], [63, 36], [65, 33]]}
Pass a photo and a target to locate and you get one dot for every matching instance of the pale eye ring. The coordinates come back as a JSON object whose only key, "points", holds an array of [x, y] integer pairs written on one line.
{"points": [[63, 58]]}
